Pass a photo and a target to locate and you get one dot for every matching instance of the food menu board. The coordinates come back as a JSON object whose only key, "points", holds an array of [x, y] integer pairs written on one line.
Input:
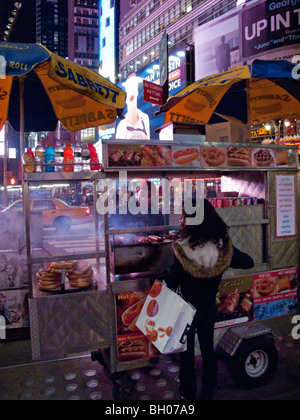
{"points": [[257, 297], [164, 155], [286, 206]]}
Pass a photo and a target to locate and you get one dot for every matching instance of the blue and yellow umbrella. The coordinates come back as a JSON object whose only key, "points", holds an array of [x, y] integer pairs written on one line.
{"points": [[38, 88], [256, 93]]}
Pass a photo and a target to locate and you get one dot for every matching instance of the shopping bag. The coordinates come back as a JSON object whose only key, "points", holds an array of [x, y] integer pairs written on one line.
{"points": [[166, 319]]}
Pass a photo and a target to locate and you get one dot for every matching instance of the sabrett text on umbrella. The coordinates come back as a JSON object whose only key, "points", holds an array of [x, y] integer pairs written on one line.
{"points": [[80, 80], [284, 98], [78, 120]]}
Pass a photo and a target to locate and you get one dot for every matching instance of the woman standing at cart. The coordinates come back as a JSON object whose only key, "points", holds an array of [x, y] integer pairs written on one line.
{"points": [[203, 253]]}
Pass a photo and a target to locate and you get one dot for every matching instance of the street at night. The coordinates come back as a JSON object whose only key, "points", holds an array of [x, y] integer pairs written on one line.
{"points": [[149, 202]]}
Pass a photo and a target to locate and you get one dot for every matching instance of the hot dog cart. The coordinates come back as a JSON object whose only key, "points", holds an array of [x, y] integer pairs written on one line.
{"points": [[255, 190]]}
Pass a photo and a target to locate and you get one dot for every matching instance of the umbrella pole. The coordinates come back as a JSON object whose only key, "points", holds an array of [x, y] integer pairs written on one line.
{"points": [[22, 120], [248, 106]]}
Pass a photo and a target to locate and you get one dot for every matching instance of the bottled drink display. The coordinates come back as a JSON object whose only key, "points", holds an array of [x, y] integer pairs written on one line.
{"points": [[86, 157], [68, 159], [77, 158], [62, 159], [49, 158], [59, 157], [39, 157], [95, 166], [28, 161]]}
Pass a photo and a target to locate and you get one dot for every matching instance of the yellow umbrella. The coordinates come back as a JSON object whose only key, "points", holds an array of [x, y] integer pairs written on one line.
{"points": [[38, 88], [266, 90]]}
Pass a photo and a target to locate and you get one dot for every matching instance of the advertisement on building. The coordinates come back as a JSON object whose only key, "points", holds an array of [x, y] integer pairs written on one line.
{"points": [[140, 121], [264, 29]]}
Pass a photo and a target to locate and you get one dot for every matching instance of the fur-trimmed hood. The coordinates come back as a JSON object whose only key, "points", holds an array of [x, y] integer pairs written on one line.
{"points": [[204, 262]]}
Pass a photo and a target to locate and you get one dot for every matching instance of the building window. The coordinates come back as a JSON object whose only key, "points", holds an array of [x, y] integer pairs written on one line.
{"points": [[107, 22]]}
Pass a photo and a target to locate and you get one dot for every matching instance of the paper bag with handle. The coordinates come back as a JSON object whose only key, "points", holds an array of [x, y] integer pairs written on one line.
{"points": [[166, 319]]}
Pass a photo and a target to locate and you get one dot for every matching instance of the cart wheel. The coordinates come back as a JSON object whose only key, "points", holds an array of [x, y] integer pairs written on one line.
{"points": [[122, 388], [254, 363]]}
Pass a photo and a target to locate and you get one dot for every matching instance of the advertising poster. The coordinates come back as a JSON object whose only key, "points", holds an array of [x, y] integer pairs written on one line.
{"points": [[265, 29], [269, 25], [235, 301], [11, 308], [140, 121], [132, 343], [275, 293]]}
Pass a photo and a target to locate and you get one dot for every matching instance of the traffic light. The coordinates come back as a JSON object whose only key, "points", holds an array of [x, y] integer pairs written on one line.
{"points": [[12, 181]]}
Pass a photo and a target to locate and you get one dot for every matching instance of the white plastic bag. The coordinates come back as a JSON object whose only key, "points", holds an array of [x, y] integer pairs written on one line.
{"points": [[166, 319]]}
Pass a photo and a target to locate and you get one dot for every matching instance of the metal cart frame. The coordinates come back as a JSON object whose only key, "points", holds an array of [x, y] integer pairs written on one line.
{"points": [[98, 337]]}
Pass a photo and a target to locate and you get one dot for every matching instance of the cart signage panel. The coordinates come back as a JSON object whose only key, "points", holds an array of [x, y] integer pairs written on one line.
{"points": [[163, 155], [132, 344], [257, 297], [285, 205]]}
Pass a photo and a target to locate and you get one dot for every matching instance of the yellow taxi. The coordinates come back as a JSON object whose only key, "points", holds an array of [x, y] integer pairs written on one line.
{"points": [[55, 213]]}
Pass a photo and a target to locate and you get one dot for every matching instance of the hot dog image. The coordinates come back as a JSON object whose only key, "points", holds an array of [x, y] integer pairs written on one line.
{"points": [[129, 317], [76, 101], [185, 156], [132, 350], [238, 156]]}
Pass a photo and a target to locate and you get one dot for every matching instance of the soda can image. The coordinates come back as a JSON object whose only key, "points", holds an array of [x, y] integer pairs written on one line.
{"points": [[218, 202], [254, 200], [230, 202], [238, 201], [224, 202]]}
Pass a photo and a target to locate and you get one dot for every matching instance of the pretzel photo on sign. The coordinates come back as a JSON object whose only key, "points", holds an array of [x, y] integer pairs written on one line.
{"points": [[213, 156]]}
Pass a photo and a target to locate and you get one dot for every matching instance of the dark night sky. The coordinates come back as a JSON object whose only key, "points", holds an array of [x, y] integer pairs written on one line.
{"points": [[24, 29]]}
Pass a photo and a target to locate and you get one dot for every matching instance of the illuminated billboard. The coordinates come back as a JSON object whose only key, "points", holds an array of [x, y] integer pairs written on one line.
{"points": [[140, 121], [263, 29]]}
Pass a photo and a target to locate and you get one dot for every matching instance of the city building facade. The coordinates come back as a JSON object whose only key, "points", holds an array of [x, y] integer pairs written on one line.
{"points": [[52, 25], [84, 33], [143, 22]]}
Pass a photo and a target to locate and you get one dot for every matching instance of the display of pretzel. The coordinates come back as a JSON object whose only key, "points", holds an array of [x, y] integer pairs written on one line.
{"points": [[48, 280], [79, 273], [213, 156], [265, 287]]}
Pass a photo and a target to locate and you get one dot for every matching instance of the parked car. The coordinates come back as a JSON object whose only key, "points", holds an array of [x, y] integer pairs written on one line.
{"points": [[55, 213]]}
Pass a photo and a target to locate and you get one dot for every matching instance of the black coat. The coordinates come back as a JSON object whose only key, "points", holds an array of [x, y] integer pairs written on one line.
{"points": [[199, 285]]}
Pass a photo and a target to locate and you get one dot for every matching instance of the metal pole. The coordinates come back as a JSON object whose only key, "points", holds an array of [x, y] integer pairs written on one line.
{"points": [[5, 198], [22, 121], [248, 106]]}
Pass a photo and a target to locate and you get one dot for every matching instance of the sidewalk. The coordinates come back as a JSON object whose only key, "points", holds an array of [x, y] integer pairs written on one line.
{"points": [[80, 378]]}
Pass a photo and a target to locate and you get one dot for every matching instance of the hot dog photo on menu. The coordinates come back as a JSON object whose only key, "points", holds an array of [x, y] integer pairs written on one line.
{"points": [[186, 156], [132, 344]]}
